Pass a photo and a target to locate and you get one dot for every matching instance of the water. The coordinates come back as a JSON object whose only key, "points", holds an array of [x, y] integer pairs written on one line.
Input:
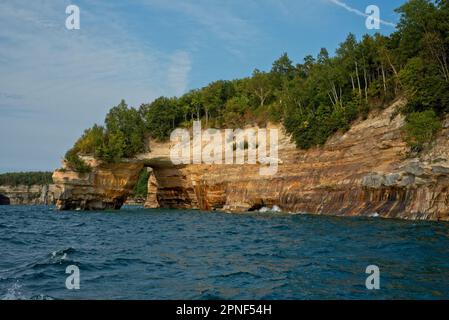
{"points": [[174, 254]]}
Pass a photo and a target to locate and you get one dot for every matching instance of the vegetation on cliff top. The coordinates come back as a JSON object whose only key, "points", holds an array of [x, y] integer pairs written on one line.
{"points": [[26, 178], [313, 99]]}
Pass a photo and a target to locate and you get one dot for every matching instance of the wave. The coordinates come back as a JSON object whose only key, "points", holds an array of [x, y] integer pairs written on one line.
{"points": [[55, 257], [42, 297], [77, 225], [14, 292], [273, 209], [237, 274], [7, 226], [62, 255]]}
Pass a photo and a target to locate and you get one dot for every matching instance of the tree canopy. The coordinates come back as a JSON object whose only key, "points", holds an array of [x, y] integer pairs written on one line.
{"points": [[313, 99], [26, 178]]}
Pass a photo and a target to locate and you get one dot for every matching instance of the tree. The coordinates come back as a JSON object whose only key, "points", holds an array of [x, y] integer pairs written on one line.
{"points": [[214, 98], [421, 128], [418, 17], [26, 178], [261, 86], [125, 127], [424, 87], [161, 117], [235, 111], [90, 141], [283, 67]]}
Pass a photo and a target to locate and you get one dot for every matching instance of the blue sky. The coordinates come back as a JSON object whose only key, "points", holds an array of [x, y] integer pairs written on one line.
{"points": [[54, 83]]}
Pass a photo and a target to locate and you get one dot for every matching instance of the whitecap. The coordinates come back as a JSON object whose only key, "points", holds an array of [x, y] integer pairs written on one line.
{"points": [[14, 293], [275, 208]]}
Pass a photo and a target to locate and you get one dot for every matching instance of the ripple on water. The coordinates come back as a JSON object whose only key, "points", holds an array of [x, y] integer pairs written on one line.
{"points": [[175, 254]]}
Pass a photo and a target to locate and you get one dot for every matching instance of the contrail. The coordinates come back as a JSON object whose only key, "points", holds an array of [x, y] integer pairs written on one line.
{"points": [[359, 13]]}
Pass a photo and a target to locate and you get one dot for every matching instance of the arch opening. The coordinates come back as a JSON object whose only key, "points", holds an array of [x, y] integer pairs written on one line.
{"points": [[140, 190]]}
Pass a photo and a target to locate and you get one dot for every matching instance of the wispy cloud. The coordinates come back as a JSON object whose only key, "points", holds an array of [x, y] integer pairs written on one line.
{"points": [[216, 18], [55, 83], [358, 12], [178, 72]]}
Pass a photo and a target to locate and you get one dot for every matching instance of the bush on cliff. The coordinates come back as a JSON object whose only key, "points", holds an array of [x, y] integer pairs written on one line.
{"points": [[90, 141], [75, 163], [122, 137], [88, 144], [421, 128]]}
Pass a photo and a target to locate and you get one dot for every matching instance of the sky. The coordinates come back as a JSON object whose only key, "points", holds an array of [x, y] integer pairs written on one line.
{"points": [[55, 82]]}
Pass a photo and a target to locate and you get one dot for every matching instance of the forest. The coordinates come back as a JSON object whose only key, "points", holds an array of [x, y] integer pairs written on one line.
{"points": [[26, 178], [313, 99]]}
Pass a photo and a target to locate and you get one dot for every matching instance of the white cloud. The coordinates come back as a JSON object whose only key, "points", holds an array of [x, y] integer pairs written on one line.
{"points": [[358, 12], [55, 82]]}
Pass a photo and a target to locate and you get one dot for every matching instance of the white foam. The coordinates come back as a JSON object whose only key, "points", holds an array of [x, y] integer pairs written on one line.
{"points": [[14, 293], [273, 209]]}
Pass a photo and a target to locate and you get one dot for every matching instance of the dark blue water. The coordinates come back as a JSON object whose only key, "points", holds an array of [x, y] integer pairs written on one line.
{"points": [[163, 254]]}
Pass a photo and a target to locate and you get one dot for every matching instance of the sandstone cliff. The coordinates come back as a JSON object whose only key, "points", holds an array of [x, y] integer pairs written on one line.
{"points": [[27, 195], [106, 187], [365, 171]]}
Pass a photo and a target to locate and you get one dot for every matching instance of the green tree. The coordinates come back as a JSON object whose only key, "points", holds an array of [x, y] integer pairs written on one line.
{"points": [[424, 87], [214, 98], [125, 126], [141, 188], [25, 178], [261, 88], [421, 128], [235, 112], [283, 69], [90, 141], [161, 117]]}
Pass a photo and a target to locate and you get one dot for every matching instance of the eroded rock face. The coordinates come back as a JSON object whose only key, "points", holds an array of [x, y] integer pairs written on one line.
{"points": [[361, 172], [27, 195], [106, 187], [152, 201]]}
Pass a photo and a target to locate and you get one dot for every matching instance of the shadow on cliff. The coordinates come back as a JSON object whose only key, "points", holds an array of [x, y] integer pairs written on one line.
{"points": [[4, 201], [175, 190]]}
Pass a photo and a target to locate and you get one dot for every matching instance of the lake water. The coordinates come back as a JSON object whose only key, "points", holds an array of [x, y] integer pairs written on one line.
{"points": [[175, 254]]}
